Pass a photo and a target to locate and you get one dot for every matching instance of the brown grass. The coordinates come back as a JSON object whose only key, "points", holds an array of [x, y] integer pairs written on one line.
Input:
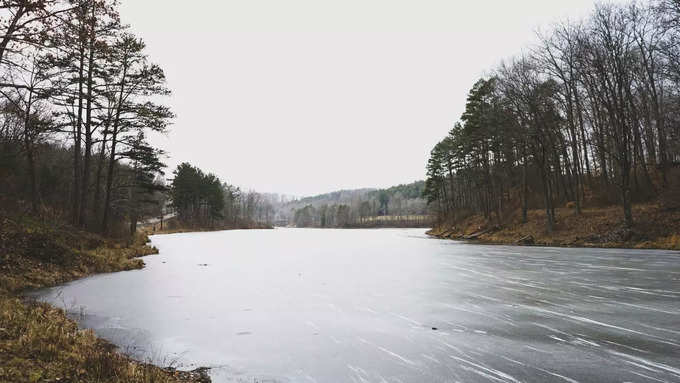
{"points": [[34, 256], [173, 226], [655, 228], [39, 343]]}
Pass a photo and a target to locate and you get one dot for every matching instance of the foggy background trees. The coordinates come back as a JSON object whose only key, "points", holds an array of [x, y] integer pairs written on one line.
{"points": [[401, 205]]}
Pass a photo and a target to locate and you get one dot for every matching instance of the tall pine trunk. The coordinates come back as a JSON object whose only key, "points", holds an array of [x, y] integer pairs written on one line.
{"points": [[112, 154], [99, 175], [77, 148], [30, 154], [85, 186]]}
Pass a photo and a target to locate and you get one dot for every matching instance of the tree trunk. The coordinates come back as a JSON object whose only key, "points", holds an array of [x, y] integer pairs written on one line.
{"points": [[584, 142], [30, 155], [525, 187], [112, 154], [77, 167], [134, 212], [109, 180], [11, 28], [98, 177], [627, 208], [85, 187]]}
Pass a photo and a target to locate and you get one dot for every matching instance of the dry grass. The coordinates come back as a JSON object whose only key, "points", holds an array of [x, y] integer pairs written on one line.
{"points": [[173, 226], [39, 343], [655, 228], [34, 256]]}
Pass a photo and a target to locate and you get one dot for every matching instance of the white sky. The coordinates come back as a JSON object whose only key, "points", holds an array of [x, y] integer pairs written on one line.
{"points": [[309, 96]]}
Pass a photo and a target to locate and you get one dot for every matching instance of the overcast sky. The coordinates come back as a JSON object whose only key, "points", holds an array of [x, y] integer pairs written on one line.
{"points": [[308, 96]]}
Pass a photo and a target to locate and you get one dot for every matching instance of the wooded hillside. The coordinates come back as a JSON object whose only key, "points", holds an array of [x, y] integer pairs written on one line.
{"points": [[401, 205], [590, 116]]}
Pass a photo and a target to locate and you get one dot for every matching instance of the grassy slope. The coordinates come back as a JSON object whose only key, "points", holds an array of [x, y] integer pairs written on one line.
{"points": [[38, 343], [655, 228]]}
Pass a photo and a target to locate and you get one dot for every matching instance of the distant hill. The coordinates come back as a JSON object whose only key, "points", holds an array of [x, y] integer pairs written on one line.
{"points": [[409, 191], [336, 197], [345, 208]]}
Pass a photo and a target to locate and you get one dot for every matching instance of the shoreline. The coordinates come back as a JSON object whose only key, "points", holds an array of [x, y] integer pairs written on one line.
{"points": [[655, 229], [584, 245], [40, 342], [151, 229]]}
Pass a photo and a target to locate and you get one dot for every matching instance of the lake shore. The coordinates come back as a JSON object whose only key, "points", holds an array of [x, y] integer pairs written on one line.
{"points": [[654, 228], [173, 226], [39, 342]]}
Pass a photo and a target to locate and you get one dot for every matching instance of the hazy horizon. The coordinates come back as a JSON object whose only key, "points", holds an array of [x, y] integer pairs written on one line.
{"points": [[316, 96]]}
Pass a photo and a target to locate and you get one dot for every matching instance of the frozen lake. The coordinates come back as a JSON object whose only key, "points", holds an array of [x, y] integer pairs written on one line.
{"points": [[305, 305]]}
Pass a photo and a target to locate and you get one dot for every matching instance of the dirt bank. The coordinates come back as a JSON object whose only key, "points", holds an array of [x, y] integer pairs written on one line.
{"points": [[654, 228]]}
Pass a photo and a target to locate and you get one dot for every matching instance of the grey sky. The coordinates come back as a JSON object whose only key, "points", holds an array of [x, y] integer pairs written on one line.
{"points": [[308, 96]]}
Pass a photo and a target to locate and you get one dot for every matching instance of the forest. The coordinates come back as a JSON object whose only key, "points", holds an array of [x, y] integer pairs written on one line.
{"points": [[588, 116], [79, 99], [397, 206], [204, 201]]}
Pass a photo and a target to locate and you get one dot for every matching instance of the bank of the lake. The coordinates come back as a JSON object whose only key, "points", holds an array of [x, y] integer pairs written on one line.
{"points": [[40, 343], [654, 228], [174, 226]]}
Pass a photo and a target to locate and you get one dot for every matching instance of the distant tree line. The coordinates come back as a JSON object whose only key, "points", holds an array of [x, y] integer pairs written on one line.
{"points": [[400, 205], [590, 116], [324, 216], [78, 99], [203, 200]]}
